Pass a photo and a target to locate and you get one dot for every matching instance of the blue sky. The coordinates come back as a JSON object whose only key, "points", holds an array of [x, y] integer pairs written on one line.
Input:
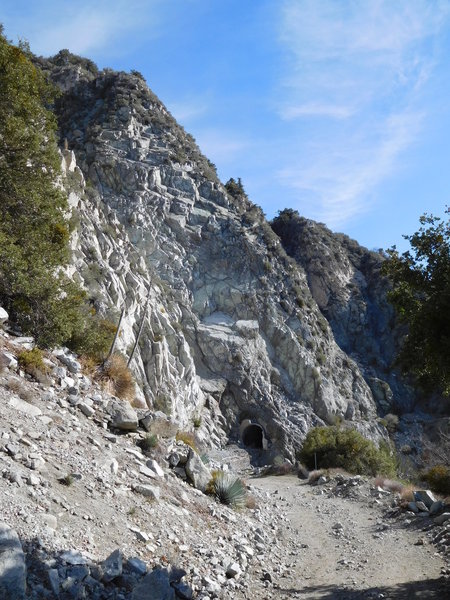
{"points": [[337, 108]]}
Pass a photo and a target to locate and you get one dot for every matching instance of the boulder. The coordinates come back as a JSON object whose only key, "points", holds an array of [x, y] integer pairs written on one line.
{"points": [[424, 496], [136, 565], [436, 507], [8, 360], [24, 407], [71, 363], [154, 586], [123, 416], [197, 472], [441, 519], [412, 506], [158, 423], [12, 565], [112, 566], [3, 315]]}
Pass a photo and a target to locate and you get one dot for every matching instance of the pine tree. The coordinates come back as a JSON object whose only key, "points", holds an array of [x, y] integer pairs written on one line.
{"points": [[33, 231]]}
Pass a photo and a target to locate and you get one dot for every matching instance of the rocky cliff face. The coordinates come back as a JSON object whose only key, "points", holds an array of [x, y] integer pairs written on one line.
{"points": [[231, 330], [346, 282]]}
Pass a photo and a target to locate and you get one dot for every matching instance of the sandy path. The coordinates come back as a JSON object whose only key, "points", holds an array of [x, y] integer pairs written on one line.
{"points": [[339, 548]]}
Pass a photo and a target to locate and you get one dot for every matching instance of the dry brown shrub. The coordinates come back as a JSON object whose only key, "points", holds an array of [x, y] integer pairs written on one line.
{"points": [[407, 493], [315, 475], [18, 387], [116, 377], [389, 484], [251, 503], [188, 438]]}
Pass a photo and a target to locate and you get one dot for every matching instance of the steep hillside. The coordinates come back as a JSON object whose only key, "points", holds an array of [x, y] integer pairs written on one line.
{"points": [[231, 331], [346, 282]]}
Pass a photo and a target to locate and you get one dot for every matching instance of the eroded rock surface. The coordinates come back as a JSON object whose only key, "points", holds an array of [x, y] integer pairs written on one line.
{"points": [[230, 329]]}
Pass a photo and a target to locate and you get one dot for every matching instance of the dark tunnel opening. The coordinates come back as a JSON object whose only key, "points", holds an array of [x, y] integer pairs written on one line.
{"points": [[253, 436]]}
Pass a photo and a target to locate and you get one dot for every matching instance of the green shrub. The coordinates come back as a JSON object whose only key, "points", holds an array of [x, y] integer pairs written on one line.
{"points": [[228, 489], [149, 442], [94, 337], [197, 421], [390, 421], [32, 360], [336, 446], [438, 478], [67, 480]]}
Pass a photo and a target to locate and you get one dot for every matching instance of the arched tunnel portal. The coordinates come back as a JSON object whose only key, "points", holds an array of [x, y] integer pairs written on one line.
{"points": [[252, 435]]}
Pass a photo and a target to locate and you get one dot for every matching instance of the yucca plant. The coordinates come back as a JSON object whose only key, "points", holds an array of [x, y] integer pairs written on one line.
{"points": [[228, 489]]}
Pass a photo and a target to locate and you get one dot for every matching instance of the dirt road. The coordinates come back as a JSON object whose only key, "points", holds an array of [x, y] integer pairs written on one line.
{"points": [[342, 548]]}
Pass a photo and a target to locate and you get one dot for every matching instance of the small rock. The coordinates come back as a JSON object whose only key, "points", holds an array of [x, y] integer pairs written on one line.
{"points": [[153, 465], [33, 480], [441, 518], [72, 557], [50, 520], [73, 365], [233, 570], [112, 566], [88, 411], [136, 565], [150, 491]]}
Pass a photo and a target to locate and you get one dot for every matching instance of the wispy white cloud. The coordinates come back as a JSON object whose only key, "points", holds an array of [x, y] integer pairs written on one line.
{"points": [[359, 69], [336, 184], [83, 27], [315, 109]]}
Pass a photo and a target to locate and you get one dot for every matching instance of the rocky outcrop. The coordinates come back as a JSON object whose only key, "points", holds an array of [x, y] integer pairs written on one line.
{"points": [[345, 280], [12, 564], [230, 330]]}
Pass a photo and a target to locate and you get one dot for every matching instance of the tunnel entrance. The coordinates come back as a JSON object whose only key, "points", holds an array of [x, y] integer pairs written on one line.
{"points": [[253, 436]]}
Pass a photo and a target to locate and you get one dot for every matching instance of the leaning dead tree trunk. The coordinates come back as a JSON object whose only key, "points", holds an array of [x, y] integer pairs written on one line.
{"points": [[113, 345], [141, 326]]}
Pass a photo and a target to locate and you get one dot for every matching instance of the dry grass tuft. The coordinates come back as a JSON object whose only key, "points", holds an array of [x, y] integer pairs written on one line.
{"points": [[18, 387], [407, 493], [251, 503], [315, 475], [116, 377], [188, 439], [389, 485], [279, 470]]}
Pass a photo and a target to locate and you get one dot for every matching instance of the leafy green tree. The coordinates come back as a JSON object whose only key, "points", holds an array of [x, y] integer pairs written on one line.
{"points": [[33, 231], [421, 296]]}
